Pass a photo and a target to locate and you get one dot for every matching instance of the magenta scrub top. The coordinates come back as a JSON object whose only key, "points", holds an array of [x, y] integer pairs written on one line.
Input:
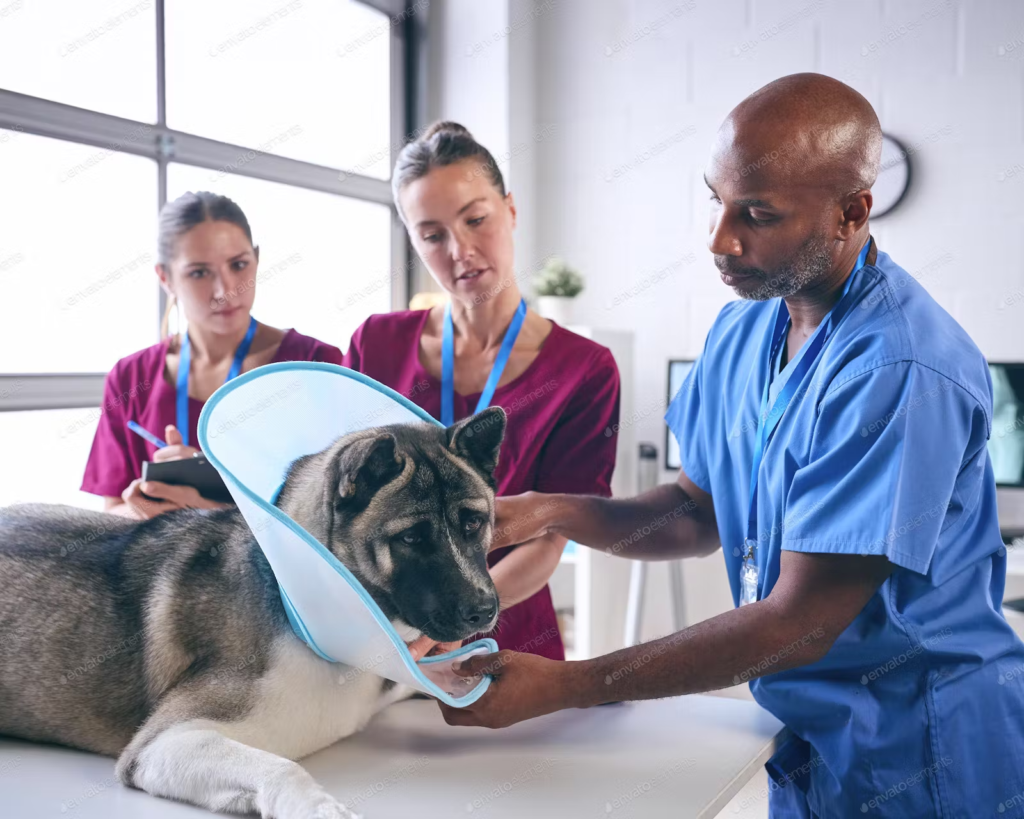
{"points": [[137, 390], [563, 420]]}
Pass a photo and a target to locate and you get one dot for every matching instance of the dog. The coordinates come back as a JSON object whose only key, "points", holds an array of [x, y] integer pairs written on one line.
{"points": [[165, 643]]}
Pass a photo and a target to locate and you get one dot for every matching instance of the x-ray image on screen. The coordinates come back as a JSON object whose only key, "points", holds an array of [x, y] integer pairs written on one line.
{"points": [[1006, 444], [677, 372]]}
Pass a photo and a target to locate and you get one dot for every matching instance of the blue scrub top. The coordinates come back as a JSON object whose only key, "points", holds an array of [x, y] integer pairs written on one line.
{"points": [[918, 708]]}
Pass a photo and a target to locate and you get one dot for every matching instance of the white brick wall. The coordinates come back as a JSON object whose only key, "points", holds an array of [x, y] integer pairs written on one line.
{"points": [[635, 91], [628, 95]]}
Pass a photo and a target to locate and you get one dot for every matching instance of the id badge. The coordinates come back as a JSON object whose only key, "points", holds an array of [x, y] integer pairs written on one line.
{"points": [[748, 577]]}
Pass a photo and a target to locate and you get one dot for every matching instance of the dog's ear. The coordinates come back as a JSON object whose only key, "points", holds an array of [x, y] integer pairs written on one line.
{"points": [[478, 439], [364, 466]]}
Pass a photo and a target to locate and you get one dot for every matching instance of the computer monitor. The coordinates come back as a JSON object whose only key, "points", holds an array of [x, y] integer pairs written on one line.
{"points": [[1006, 443], [678, 369]]}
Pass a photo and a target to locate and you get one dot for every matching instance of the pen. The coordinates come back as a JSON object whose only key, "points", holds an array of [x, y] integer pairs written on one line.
{"points": [[145, 433]]}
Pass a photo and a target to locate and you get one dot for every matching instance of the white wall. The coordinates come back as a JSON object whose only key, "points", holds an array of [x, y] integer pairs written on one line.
{"points": [[621, 99], [635, 90]]}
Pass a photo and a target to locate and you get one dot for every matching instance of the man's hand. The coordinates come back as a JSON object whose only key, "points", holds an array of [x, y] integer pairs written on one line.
{"points": [[524, 686], [519, 518]]}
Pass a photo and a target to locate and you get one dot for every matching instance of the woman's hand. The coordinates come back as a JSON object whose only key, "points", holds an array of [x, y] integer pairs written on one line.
{"points": [[425, 647], [175, 449], [519, 518], [164, 497]]}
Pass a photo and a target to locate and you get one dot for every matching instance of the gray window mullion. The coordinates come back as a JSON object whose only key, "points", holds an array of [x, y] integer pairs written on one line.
{"points": [[33, 391]]}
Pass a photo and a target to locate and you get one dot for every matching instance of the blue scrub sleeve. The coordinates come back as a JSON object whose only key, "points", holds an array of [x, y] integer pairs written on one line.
{"points": [[685, 418], [888, 448]]}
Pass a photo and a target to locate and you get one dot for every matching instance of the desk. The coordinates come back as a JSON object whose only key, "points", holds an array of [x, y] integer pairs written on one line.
{"points": [[680, 758]]}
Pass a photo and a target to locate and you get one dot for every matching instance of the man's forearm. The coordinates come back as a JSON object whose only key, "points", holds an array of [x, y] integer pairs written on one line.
{"points": [[662, 524], [732, 648]]}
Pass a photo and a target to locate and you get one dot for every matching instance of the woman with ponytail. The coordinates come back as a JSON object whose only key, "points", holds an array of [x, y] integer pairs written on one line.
{"points": [[559, 390], [207, 265]]}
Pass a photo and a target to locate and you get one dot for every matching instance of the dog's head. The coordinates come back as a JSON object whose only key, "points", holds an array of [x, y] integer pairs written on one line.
{"points": [[409, 508]]}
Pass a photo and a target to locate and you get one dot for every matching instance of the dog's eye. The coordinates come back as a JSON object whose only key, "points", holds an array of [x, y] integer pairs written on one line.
{"points": [[410, 537], [472, 524]]}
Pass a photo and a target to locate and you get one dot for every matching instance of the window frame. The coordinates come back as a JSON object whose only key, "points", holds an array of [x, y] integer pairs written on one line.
{"points": [[47, 118]]}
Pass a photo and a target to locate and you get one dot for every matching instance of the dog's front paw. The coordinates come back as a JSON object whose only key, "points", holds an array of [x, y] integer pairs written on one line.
{"points": [[331, 808]]}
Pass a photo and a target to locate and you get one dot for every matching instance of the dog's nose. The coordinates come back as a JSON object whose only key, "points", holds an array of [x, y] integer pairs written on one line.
{"points": [[477, 614]]}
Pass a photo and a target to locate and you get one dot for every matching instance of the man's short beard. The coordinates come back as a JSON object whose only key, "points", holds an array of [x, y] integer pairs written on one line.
{"points": [[811, 262]]}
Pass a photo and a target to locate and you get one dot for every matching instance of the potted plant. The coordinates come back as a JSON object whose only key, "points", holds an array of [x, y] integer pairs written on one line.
{"points": [[556, 285]]}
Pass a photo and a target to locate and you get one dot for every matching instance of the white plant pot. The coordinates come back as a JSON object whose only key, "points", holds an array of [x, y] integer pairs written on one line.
{"points": [[556, 308]]}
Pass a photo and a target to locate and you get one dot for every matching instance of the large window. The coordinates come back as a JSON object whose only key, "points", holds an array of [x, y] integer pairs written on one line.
{"points": [[293, 108]]}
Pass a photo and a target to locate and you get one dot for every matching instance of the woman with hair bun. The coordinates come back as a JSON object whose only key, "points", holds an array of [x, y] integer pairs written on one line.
{"points": [[484, 347], [207, 265]]}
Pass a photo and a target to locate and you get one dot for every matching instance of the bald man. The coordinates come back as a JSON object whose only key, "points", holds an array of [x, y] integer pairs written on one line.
{"points": [[833, 444]]}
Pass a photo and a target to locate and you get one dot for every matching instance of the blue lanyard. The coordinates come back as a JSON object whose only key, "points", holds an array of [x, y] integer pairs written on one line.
{"points": [[448, 363], [185, 364], [769, 421]]}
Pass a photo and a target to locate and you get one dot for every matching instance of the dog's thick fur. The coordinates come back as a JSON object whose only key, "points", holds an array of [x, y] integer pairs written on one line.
{"points": [[165, 643]]}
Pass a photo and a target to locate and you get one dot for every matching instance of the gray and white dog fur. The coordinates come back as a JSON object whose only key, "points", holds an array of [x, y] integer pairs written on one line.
{"points": [[165, 643]]}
